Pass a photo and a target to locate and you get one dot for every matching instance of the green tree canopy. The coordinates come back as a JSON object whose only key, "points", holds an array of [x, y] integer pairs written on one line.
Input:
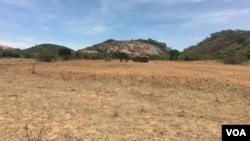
{"points": [[174, 54], [65, 53]]}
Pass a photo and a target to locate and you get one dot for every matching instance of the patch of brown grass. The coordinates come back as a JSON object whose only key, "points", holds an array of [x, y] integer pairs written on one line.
{"points": [[97, 100]]}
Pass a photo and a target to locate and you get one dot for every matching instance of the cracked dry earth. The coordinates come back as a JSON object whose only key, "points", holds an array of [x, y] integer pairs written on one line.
{"points": [[96, 100]]}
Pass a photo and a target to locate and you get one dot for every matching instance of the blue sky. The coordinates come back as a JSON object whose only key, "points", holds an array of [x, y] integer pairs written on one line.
{"points": [[81, 23]]}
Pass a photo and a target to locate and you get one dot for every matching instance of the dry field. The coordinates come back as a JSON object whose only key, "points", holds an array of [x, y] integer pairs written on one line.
{"points": [[96, 100]]}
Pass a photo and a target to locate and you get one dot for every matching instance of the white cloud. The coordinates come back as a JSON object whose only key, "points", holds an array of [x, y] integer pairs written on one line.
{"points": [[89, 26], [223, 17], [45, 28], [88, 29]]}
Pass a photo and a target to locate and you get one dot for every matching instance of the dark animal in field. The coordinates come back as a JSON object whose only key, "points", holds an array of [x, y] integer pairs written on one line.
{"points": [[141, 59]]}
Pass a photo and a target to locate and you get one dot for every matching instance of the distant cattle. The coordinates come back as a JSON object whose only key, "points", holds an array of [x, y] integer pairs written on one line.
{"points": [[141, 59]]}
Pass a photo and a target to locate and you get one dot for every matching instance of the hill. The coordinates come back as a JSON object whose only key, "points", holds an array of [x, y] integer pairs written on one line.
{"points": [[138, 47], [237, 41], [2, 47], [8, 52], [53, 48]]}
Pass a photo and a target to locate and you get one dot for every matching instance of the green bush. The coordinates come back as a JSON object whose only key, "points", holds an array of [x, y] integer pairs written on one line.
{"points": [[174, 54], [246, 52], [190, 56], [45, 56], [241, 40], [9, 53], [119, 55], [246, 43], [109, 41], [236, 59], [158, 57], [27, 55], [229, 55], [65, 53], [78, 55]]}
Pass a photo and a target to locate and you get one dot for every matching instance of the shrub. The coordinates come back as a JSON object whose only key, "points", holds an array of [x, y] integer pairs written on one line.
{"points": [[190, 56], [78, 55], [109, 41], [235, 59], [27, 55], [158, 57], [45, 56], [246, 43], [121, 56], [174, 54], [241, 40], [247, 53], [246, 50], [229, 55], [65, 53], [9, 53]]}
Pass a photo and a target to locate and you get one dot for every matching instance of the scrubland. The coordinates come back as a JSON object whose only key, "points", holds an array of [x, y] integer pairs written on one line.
{"points": [[96, 100]]}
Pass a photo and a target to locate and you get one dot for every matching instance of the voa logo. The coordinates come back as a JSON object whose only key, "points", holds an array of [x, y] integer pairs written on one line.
{"points": [[236, 132]]}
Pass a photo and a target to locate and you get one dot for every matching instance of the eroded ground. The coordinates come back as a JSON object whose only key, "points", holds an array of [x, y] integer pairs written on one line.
{"points": [[97, 100]]}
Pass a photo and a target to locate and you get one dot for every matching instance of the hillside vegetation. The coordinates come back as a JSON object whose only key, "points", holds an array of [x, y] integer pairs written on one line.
{"points": [[50, 47], [6, 51], [42, 52], [230, 46]]}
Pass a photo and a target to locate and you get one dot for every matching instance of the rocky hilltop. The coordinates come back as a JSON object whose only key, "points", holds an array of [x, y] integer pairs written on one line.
{"points": [[2, 47], [133, 48]]}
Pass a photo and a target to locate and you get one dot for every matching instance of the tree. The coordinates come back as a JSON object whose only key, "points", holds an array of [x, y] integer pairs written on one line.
{"points": [[109, 41], [247, 52], [45, 55], [154, 42], [229, 55], [174, 54], [120, 55], [65, 53], [78, 55], [26, 54]]}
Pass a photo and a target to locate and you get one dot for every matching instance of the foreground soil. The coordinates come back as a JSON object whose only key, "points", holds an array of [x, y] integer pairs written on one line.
{"points": [[97, 100]]}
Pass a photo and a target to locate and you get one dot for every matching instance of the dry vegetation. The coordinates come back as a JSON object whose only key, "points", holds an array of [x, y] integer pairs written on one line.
{"points": [[97, 100]]}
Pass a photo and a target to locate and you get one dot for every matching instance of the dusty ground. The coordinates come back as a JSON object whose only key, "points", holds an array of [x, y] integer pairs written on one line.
{"points": [[97, 100]]}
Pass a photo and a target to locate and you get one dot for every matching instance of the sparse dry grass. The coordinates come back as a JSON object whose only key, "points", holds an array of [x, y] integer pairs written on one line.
{"points": [[97, 100]]}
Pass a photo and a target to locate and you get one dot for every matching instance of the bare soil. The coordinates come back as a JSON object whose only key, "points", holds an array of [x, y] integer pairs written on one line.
{"points": [[97, 100]]}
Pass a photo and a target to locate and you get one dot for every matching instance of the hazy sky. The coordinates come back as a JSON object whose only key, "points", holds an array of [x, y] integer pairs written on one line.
{"points": [[81, 23]]}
